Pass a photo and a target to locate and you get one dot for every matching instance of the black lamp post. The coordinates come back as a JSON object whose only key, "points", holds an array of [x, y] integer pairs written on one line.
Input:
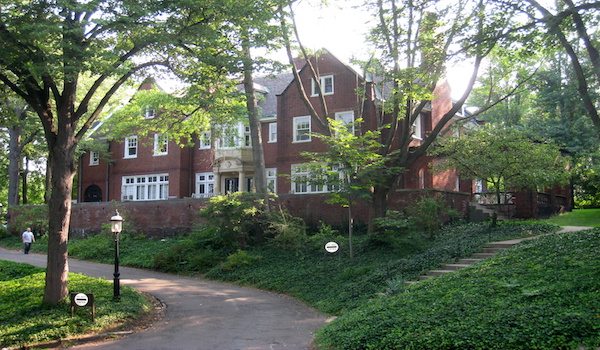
{"points": [[116, 226]]}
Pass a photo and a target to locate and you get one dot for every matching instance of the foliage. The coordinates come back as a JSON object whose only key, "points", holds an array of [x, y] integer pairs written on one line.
{"points": [[287, 232], [335, 283], [578, 217], [542, 294], [34, 216], [504, 157], [239, 259], [25, 321], [239, 218], [429, 213], [586, 181]]}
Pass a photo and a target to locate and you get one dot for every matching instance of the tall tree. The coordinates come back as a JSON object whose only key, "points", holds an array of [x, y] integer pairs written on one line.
{"points": [[568, 24], [47, 46]]}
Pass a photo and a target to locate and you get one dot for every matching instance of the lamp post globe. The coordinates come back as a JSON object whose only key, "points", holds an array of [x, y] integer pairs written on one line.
{"points": [[116, 226]]}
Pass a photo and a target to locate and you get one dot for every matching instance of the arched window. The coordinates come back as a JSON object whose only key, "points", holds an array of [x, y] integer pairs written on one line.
{"points": [[92, 193]]}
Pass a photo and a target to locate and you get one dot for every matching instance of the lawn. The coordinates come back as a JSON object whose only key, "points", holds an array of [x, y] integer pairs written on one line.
{"points": [[578, 217], [25, 321], [543, 294]]}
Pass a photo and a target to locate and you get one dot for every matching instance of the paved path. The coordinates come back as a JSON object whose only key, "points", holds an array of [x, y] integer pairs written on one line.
{"points": [[203, 315]]}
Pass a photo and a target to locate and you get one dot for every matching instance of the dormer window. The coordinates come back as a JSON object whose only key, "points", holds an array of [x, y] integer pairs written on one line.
{"points": [[149, 113], [326, 82]]}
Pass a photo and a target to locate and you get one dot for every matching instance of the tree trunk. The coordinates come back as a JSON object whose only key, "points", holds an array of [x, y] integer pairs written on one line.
{"points": [[14, 157], [48, 187], [24, 175], [63, 169], [350, 231], [257, 146], [378, 206]]}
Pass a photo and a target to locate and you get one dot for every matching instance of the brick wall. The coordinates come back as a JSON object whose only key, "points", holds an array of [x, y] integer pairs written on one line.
{"points": [[154, 218]]}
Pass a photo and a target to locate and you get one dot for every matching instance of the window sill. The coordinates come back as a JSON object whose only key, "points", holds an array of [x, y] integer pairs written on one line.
{"points": [[130, 157], [302, 141]]}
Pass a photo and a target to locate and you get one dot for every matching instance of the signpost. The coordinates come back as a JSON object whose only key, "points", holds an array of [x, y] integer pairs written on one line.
{"points": [[83, 300]]}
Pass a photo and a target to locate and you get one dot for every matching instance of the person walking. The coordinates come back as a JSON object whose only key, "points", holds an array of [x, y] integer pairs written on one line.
{"points": [[27, 238]]}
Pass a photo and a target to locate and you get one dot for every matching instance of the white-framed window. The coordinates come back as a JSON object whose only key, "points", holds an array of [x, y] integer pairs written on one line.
{"points": [[205, 185], [303, 181], [161, 144], [131, 147], [205, 140], [302, 129], [247, 137], [347, 118], [326, 85], [417, 128], [149, 113], [145, 187], [271, 176], [272, 132], [235, 136], [94, 158], [457, 184]]}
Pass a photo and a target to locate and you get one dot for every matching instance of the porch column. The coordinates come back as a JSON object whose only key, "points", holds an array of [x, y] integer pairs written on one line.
{"points": [[242, 182], [217, 179]]}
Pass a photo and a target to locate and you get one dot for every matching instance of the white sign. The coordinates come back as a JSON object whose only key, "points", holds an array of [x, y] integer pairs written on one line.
{"points": [[332, 247], [81, 299]]}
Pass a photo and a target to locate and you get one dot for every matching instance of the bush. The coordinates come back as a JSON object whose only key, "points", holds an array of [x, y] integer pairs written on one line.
{"points": [[430, 213], [238, 217], [239, 259], [34, 216], [388, 229], [287, 232]]}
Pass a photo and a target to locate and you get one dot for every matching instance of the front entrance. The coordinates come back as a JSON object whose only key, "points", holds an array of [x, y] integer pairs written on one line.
{"points": [[232, 184]]}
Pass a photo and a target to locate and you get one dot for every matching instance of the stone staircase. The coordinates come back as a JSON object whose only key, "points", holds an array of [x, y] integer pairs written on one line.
{"points": [[479, 213], [488, 251]]}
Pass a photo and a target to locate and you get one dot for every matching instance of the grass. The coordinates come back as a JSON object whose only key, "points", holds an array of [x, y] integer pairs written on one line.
{"points": [[578, 217], [26, 321], [543, 294]]}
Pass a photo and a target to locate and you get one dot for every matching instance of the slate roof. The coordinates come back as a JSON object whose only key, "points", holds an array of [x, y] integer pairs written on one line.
{"points": [[270, 86]]}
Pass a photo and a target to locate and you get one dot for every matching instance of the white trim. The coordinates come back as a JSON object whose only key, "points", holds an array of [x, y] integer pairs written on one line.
{"points": [[418, 127], [313, 86], [296, 121], [145, 187], [306, 187], [149, 113], [131, 144], [341, 117], [207, 180], [272, 132], [94, 158], [161, 140], [205, 136], [271, 177]]}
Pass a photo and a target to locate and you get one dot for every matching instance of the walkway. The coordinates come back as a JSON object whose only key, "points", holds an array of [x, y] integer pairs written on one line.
{"points": [[203, 315]]}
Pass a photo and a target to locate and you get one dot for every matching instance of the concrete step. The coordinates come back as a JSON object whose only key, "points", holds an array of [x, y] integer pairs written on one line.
{"points": [[468, 261], [454, 267], [483, 255], [502, 245], [424, 277], [438, 272], [410, 283], [492, 249]]}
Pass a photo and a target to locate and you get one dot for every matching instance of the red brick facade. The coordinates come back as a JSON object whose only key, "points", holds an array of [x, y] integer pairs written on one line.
{"points": [[183, 164]]}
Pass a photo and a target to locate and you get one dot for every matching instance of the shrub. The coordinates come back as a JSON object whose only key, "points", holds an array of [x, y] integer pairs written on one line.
{"points": [[34, 216], [239, 259], [388, 229], [238, 217], [430, 213], [317, 241], [287, 232]]}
